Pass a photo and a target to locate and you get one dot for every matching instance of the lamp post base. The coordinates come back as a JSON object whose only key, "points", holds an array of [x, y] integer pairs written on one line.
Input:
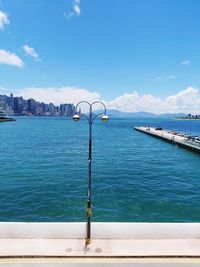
{"points": [[87, 241]]}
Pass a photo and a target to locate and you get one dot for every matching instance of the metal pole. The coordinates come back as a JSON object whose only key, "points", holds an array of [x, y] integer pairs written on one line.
{"points": [[89, 204]]}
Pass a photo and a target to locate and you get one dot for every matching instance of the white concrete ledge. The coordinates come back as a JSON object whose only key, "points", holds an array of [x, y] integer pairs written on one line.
{"points": [[13, 230], [108, 239]]}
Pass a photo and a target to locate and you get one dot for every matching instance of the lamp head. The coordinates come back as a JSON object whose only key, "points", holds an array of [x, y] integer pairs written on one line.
{"points": [[104, 118], [76, 117]]}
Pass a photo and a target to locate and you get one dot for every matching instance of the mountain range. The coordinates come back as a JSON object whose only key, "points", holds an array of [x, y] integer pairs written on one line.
{"points": [[142, 114]]}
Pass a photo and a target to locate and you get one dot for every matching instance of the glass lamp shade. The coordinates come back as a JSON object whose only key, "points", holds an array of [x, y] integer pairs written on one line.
{"points": [[104, 118], [76, 117]]}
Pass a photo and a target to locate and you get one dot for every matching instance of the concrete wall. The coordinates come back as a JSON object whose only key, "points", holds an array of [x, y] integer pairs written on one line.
{"points": [[100, 230]]}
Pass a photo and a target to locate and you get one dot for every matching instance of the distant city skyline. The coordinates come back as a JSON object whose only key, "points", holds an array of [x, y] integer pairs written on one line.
{"points": [[135, 55], [17, 105]]}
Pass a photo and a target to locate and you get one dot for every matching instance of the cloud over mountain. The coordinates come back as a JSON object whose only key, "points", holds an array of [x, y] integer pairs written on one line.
{"points": [[187, 100]]}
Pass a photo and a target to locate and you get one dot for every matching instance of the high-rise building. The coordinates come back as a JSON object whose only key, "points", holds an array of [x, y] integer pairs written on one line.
{"points": [[67, 109], [32, 105], [11, 102], [18, 105]]}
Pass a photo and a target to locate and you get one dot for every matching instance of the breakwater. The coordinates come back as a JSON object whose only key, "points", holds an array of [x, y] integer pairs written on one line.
{"points": [[187, 142]]}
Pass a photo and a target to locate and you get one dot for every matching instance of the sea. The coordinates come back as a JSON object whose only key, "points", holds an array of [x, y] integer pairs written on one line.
{"points": [[135, 177]]}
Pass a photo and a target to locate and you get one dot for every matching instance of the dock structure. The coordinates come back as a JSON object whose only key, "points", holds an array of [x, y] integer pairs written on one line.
{"points": [[171, 136]]}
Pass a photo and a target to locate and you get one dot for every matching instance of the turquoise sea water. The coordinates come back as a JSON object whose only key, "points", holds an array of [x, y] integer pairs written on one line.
{"points": [[43, 175]]}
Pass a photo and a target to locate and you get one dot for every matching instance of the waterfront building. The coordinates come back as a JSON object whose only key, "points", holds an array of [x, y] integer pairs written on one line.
{"points": [[67, 110], [19, 106], [31, 106], [11, 102]]}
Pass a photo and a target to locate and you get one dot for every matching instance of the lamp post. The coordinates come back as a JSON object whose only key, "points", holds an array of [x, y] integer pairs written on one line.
{"points": [[90, 118]]}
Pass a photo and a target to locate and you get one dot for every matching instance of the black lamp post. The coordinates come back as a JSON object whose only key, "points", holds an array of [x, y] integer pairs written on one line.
{"points": [[90, 118]]}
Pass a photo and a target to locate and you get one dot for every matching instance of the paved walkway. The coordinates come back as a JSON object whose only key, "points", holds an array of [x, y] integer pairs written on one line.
{"points": [[108, 240], [100, 247], [147, 262]]}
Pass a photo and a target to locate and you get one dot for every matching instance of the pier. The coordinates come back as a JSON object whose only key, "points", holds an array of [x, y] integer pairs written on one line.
{"points": [[172, 137]]}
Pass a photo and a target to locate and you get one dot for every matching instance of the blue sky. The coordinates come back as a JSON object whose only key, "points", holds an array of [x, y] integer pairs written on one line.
{"points": [[108, 47]]}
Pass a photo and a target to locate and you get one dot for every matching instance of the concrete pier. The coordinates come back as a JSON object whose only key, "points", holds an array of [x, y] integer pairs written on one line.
{"points": [[171, 137]]}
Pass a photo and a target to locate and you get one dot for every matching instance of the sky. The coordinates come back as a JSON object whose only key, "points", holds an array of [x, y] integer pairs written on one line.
{"points": [[135, 55]]}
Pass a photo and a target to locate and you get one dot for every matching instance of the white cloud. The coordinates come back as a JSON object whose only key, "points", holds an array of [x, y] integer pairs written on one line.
{"points": [[9, 58], [58, 95], [76, 9], [3, 20], [186, 101], [4, 90], [134, 102], [185, 62], [68, 16], [29, 51]]}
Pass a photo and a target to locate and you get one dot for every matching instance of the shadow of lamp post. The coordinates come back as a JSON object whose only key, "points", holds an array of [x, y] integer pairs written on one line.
{"points": [[90, 118]]}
